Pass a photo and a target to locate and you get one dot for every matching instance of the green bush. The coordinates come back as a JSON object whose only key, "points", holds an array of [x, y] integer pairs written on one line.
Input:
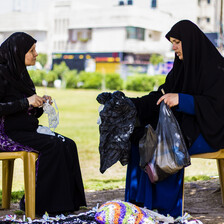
{"points": [[60, 69], [158, 80], [114, 81], [42, 58], [144, 82], [37, 76], [139, 83], [90, 80], [70, 79], [50, 77], [155, 59]]}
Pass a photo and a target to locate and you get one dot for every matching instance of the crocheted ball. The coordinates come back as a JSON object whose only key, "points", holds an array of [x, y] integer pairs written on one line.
{"points": [[119, 212]]}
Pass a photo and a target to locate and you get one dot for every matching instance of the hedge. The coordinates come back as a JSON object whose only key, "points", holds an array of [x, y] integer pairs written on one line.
{"points": [[144, 82], [96, 80]]}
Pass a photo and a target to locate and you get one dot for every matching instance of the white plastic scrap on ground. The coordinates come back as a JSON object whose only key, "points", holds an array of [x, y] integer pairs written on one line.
{"points": [[158, 218], [90, 217]]}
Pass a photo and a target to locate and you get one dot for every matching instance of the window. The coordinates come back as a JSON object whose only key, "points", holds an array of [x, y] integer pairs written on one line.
{"points": [[130, 32], [17, 5], [130, 2], [135, 33], [55, 25], [140, 33], [121, 3], [154, 35], [209, 1], [82, 35], [208, 20], [153, 4]]}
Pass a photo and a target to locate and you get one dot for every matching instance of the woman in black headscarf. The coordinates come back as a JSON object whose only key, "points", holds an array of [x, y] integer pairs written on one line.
{"points": [[193, 89], [59, 186]]}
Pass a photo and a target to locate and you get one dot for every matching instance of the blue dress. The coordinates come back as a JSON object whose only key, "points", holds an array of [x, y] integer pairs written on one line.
{"points": [[166, 196]]}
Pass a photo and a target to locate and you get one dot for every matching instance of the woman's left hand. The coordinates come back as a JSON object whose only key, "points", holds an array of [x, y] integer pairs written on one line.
{"points": [[171, 99], [47, 98]]}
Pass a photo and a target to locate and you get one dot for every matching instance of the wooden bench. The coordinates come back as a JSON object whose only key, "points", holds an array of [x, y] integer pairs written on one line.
{"points": [[219, 156]]}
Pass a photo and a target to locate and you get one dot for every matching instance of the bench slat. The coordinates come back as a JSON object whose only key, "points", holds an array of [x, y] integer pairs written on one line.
{"points": [[213, 155]]}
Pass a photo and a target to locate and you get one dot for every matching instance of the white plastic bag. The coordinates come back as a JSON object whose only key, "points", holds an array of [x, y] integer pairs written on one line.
{"points": [[53, 116]]}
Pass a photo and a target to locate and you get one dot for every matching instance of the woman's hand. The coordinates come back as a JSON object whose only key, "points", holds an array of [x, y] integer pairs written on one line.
{"points": [[47, 98], [171, 99], [35, 100]]}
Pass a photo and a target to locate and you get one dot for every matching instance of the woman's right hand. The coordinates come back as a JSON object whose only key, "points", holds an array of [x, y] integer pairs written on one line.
{"points": [[35, 100], [171, 99]]}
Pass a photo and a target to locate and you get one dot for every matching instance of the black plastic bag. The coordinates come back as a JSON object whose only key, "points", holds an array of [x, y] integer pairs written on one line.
{"points": [[169, 153], [147, 146], [118, 118]]}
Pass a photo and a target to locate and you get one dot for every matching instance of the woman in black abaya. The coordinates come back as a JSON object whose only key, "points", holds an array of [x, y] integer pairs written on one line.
{"points": [[194, 92], [59, 186]]}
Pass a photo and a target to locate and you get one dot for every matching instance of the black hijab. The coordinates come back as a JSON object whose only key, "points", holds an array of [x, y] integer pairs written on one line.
{"points": [[12, 62], [201, 74]]}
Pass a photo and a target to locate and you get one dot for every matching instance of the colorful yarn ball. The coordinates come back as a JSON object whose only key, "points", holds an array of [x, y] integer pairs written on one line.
{"points": [[119, 212]]}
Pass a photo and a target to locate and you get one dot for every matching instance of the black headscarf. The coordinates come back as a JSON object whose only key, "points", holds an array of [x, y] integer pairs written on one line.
{"points": [[201, 74], [12, 62]]}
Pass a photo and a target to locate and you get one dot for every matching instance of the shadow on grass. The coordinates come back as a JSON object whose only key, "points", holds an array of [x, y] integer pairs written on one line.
{"points": [[110, 184], [98, 185]]}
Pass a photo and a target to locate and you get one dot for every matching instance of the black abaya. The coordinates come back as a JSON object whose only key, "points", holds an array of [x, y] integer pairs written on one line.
{"points": [[59, 186], [200, 74], [59, 183]]}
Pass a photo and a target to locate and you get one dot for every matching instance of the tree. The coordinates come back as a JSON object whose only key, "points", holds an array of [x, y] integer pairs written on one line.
{"points": [[155, 59], [60, 69], [42, 58]]}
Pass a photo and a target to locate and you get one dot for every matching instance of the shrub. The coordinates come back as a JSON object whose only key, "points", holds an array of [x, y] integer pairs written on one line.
{"points": [[37, 76], [50, 77], [155, 59], [90, 80], [139, 83], [42, 58], [70, 79], [60, 69], [158, 80], [144, 82], [114, 81]]}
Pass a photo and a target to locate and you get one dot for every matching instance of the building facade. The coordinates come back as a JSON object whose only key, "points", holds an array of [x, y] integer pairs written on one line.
{"points": [[105, 35]]}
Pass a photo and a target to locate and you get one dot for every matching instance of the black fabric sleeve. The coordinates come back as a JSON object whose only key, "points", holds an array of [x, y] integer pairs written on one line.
{"points": [[39, 112], [8, 107], [147, 110], [147, 113], [13, 107]]}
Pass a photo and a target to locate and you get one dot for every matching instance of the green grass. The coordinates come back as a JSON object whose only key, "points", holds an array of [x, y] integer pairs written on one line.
{"points": [[15, 197], [107, 184], [78, 113], [197, 178]]}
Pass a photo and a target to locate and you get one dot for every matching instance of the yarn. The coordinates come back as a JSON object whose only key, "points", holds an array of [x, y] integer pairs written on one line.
{"points": [[120, 212]]}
